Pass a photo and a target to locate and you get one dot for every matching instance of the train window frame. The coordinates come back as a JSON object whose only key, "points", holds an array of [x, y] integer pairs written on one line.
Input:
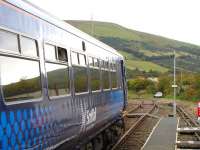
{"points": [[57, 62], [84, 92], [119, 73], [82, 59], [5, 50], [20, 55], [96, 68], [105, 67], [96, 61], [114, 88], [106, 64], [55, 51], [83, 45], [65, 51], [90, 61], [106, 89], [41, 81], [102, 64], [69, 82], [72, 57], [35, 44], [78, 53]]}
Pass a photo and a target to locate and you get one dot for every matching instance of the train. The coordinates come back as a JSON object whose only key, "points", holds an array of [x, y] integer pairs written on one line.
{"points": [[60, 88]]}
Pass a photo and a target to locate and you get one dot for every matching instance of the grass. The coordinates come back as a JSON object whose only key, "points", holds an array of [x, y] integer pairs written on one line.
{"points": [[162, 53], [145, 66], [128, 56], [149, 53], [132, 95], [106, 29], [133, 63]]}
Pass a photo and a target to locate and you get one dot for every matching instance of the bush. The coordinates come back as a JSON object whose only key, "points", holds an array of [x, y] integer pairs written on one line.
{"points": [[164, 85], [141, 85]]}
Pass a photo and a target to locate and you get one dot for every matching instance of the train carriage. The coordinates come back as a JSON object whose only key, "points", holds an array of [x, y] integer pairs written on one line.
{"points": [[58, 85]]}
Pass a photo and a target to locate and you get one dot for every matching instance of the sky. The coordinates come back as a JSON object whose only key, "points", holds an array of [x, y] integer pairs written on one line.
{"points": [[175, 19]]}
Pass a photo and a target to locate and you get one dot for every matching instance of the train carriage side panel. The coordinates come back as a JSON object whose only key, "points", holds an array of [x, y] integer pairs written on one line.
{"points": [[50, 122]]}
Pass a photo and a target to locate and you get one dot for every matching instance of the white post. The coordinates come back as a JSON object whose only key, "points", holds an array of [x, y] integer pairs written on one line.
{"points": [[174, 102]]}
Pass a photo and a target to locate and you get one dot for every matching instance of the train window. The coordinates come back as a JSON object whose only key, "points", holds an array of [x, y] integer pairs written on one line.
{"points": [[82, 60], [114, 79], [58, 79], [105, 79], [80, 79], [20, 79], [95, 79], [50, 52], [96, 62], [83, 46], [91, 63], [113, 66], [106, 64], [101, 63], [62, 54], [28, 46], [74, 58], [9, 41]]}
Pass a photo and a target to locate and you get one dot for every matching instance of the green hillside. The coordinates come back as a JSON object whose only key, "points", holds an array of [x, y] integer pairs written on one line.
{"points": [[133, 62], [147, 51]]}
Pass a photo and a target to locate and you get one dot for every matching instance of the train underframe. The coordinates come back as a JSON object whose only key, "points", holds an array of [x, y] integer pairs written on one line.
{"points": [[103, 139], [106, 138]]}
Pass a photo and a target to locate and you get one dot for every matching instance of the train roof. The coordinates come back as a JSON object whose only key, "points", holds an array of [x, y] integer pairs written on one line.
{"points": [[42, 14]]}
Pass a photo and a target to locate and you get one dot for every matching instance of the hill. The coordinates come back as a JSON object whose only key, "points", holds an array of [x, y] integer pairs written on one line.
{"points": [[133, 63], [145, 51]]}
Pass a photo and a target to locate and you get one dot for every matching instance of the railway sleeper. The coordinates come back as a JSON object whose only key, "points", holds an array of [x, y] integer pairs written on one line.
{"points": [[135, 115], [188, 130], [188, 144]]}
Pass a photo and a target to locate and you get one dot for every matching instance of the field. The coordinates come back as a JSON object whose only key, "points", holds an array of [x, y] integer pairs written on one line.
{"points": [[133, 62], [144, 66], [132, 95]]}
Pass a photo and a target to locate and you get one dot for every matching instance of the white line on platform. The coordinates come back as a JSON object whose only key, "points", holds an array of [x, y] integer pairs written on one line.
{"points": [[177, 134], [151, 133]]}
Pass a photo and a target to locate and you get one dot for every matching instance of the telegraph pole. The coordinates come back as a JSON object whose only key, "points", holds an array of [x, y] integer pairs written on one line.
{"points": [[174, 86], [92, 25]]}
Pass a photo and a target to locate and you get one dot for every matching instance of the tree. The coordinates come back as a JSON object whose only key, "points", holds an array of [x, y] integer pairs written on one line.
{"points": [[141, 86], [164, 85]]}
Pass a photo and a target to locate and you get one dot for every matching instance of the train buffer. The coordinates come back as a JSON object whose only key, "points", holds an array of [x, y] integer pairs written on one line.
{"points": [[163, 136]]}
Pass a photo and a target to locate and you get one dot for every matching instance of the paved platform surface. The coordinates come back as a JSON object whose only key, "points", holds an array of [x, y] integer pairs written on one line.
{"points": [[164, 135]]}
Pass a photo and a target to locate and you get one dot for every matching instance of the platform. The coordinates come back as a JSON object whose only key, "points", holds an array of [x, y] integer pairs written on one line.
{"points": [[163, 137]]}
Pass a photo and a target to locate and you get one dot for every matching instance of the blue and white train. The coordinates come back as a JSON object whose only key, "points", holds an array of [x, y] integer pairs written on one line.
{"points": [[59, 87]]}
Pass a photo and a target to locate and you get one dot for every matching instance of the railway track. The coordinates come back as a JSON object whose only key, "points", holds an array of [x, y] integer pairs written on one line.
{"points": [[131, 108], [134, 119], [188, 131]]}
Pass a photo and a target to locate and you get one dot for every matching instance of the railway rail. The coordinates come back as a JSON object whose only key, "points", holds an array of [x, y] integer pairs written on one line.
{"points": [[133, 119], [188, 131]]}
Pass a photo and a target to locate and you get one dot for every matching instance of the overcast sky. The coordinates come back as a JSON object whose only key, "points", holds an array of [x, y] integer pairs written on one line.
{"points": [[176, 19]]}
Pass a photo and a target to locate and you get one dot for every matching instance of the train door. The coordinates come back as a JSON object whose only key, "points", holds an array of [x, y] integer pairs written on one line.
{"points": [[123, 80]]}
